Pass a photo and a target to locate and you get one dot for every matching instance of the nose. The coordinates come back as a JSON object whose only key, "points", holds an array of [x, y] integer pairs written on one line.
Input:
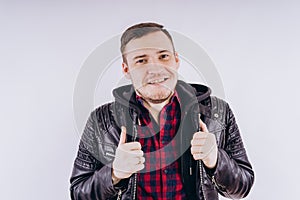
{"points": [[155, 68]]}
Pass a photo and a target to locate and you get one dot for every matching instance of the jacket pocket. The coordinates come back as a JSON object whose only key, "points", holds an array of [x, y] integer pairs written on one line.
{"points": [[108, 151], [217, 129]]}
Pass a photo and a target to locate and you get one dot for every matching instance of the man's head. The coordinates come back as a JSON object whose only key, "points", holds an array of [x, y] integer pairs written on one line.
{"points": [[150, 61], [140, 30]]}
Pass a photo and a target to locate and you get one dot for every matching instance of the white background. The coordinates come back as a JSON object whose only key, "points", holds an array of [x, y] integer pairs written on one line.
{"points": [[43, 45]]}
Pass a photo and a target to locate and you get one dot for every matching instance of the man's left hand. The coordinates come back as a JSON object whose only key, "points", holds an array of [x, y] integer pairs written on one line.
{"points": [[204, 146]]}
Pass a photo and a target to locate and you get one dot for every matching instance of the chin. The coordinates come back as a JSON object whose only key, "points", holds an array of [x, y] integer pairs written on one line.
{"points": [[155, 93], [158, 97]]}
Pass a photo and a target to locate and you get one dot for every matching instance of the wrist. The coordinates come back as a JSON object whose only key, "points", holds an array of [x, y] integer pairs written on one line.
{"points": [[115, 179], [211, 160], [209, 163]]}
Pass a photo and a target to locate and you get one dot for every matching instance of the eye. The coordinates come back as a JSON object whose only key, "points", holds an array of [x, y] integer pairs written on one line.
{"points": [[164, 57], [141, 61]]}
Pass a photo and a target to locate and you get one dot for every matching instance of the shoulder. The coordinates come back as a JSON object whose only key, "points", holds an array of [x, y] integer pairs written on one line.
{"points": [[101, 129], [219, 109], [105, 115], [102, 110]]}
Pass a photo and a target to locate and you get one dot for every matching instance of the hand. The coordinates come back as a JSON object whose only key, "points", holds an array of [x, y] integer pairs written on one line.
{"points": [[204, 146], [128, 160]]}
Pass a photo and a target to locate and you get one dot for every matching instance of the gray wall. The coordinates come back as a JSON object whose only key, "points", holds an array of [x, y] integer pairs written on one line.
{"points": [[43, 45]]}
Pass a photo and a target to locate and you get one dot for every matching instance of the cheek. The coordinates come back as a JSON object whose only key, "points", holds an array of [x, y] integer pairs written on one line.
{"points": [[138, 73], [136, 79], [172, 70]]}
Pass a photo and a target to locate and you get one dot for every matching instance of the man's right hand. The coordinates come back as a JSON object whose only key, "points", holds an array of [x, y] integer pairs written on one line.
{"points": [[128, 159]]}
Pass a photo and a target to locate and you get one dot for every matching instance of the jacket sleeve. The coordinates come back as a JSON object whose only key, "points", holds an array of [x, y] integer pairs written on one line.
{"points": [[91, 179], [233, 175]]}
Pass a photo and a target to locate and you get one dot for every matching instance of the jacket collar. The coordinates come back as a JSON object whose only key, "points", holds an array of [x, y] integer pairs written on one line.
{"points": [[189, 94]]}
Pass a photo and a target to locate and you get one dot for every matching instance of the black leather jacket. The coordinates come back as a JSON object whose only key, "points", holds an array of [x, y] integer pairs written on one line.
{"points": [[233, 176]]}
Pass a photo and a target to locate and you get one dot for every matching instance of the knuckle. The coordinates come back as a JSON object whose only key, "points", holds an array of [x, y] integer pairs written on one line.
{"points": [[195, 157], [137, 145], [195, 135]]}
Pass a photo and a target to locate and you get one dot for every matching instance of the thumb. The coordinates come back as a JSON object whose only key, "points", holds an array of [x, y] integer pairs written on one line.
{"points": [[123, 135], [202, 125]]}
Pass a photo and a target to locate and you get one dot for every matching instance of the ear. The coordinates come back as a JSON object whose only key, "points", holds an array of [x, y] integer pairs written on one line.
{"points": [[125, 70], [177, 60]]}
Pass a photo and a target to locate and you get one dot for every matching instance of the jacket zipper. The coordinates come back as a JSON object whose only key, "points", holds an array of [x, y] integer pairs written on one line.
{"points": [[119, 194], [214, 182], [201, 178], [134, 186], [134, 139], [200, 162], [218, 187], [135, 174]]}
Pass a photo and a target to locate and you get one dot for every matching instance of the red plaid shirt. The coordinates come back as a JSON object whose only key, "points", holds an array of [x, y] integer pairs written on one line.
{"points": [[160, 179]]}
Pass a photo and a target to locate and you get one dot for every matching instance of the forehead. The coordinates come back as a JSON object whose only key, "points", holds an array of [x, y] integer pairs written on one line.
{"points": [[151, 42]]}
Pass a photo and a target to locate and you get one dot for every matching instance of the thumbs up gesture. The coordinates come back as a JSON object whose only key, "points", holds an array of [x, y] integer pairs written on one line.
{"points": [[128, 159], [204, 146]]}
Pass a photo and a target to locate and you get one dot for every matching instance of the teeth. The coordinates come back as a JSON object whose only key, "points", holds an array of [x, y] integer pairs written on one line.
{"points": [[157, 80]]}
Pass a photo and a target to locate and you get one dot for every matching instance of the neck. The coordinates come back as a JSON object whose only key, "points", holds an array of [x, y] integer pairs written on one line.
{"points": [[157, 104], [155, 108]]}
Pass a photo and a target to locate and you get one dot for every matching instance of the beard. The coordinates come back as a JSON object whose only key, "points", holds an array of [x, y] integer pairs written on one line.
{"points": [[154, 87], [155, 97]]}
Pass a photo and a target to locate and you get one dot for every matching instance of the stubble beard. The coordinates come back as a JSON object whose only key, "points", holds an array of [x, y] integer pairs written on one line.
{"points": [[155, 98]]}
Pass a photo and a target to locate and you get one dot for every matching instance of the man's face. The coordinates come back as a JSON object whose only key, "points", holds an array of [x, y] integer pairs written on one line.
{"points": [[152, 66]]}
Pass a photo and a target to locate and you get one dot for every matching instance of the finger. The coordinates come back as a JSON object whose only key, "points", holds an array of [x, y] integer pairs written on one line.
{"points": [[202, 125], [138, 167], [126, 153], [195, 149], [198, 156], [200, 135], [132, 146], [142, 160], [198, 142], [132, 168], [122, 136], [137, 160], [136, 153]]}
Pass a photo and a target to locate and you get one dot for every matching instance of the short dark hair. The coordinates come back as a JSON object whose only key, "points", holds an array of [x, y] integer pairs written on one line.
{"points": [[140, 30]]}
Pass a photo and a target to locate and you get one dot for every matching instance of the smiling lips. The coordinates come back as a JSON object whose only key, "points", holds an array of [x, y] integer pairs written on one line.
{"points": [[155, 81]]}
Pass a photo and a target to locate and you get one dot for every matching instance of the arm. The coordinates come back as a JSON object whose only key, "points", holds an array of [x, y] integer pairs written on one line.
{"points": [[90, 179], [233, 174]]}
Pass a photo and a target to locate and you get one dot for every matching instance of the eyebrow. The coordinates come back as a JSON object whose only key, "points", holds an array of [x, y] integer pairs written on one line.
{"points": [[144, 55], [162, 51], [141, 56]]}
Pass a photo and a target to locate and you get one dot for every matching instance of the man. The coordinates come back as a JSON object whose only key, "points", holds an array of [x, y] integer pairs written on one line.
{"points": [[161, 138]]}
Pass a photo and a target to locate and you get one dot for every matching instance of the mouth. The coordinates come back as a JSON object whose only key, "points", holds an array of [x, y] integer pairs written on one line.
{"points": [[157, 81]]}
